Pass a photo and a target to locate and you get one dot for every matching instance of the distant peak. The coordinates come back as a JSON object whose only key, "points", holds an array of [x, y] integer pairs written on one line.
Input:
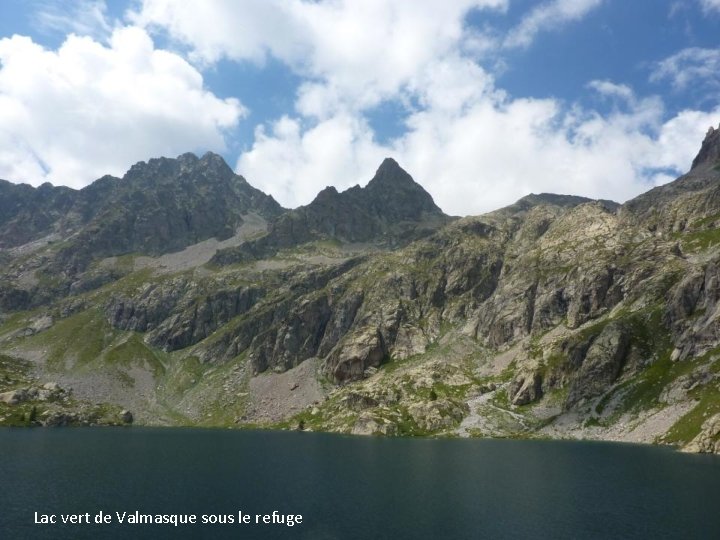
{"points": [[389, 164], [554, 199], [392, 186], [188, 157], [329, 193], [390, 173], [187, 163], [215, 160], [710, 149], [212, 157], [329, 190]]}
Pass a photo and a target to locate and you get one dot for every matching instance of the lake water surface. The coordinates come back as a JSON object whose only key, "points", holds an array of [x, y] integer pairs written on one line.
{"points": [[352, 487]]}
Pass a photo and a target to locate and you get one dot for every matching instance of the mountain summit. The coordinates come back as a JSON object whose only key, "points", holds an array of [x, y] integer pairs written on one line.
{"points": [[391, 175], [396, 196]]}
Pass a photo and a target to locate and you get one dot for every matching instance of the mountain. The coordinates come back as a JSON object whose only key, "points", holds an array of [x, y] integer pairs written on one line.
{"points": [[392, 209], [372, 312], [160, 206]]}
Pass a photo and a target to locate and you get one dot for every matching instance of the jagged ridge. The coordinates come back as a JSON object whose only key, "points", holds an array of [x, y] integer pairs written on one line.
{"points": [[392, 208]]}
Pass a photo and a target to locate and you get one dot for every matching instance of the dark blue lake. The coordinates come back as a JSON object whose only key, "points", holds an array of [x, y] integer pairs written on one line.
{"points": [[351, 487]]}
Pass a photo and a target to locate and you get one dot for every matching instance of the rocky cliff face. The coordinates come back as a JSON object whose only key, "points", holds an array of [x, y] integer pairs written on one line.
{"points": [[370, 311]]}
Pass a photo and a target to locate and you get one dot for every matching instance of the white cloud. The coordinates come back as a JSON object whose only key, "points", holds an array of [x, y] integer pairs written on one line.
{"points": [[80, 17], [612, 90], [248, 30], [354, 54], [691, 66], [72, 115], [710, 5], [548, 16]]}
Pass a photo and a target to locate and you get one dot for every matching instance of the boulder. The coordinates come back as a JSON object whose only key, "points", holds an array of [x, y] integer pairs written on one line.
{"points": [[13, 397]]}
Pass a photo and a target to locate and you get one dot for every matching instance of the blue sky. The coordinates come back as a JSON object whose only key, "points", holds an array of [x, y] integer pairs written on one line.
{"points": [[482, 101]]}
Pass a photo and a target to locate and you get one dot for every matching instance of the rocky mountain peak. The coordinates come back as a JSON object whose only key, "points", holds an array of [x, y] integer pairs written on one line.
{"points": [[392, 191], [210, 166], [392, 209], [188, 158], [710, 149], [534, 199], [329, 193], [215, 163], [390, 173]]}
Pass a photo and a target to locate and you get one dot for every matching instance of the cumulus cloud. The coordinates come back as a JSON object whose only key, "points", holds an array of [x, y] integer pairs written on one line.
{"points": [[87, 109], [353, 54], [215, 29], [691, 66], [548, 16]]}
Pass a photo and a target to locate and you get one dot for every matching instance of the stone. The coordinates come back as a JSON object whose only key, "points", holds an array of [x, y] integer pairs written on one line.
{"points": [[13, 397], [437, 415], [60, 419], [526, 388], [708, 440], [367, 424]]}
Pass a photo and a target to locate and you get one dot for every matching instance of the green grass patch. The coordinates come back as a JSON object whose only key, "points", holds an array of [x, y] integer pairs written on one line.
{"points": [[690, 425], [134, 352], [16, 321], [14, 372], [706, 220], [182, 375], [79, 339], [501, 399], [701, 240]]}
